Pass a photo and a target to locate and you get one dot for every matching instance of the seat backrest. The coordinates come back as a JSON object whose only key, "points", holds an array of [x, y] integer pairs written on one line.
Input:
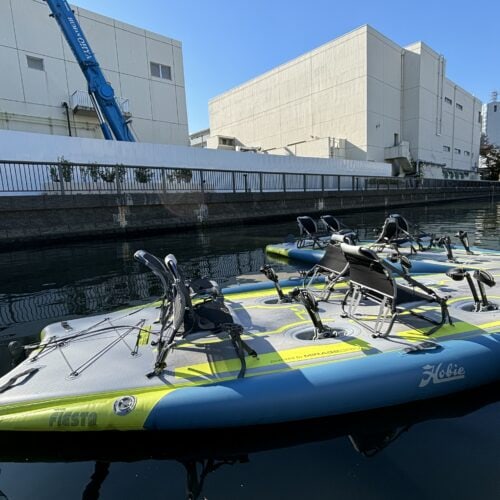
{"points": [[307, 226], [390, 231], [403, 224], [367, 271], [173, 267], [334, 259], [332, 223], [157, 267]]}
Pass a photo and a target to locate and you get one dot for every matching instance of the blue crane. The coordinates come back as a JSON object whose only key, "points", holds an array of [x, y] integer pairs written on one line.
{"points": [[110, 116]]}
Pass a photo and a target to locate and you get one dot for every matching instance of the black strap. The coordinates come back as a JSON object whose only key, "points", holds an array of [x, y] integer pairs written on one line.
{"points": [[413, 281], [240, 346]]}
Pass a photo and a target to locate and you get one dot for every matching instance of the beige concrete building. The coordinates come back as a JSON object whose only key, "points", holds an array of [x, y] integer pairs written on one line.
{"points": [[360, 96], [40, 74], [491, 122]]}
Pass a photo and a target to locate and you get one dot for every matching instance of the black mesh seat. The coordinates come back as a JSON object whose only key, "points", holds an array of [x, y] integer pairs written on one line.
{"points": [[332, 266], [211, 313], [374, 279], [334, 226], [180, 317], [392, 234], [423, 240], [396, 232], [331, 223], [309, 234]]}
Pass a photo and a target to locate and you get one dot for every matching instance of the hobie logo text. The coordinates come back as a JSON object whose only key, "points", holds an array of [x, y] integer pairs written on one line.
{"points": [[437, 374]]}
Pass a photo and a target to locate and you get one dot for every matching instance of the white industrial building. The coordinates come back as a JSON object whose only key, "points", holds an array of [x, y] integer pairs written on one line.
{"points": [[360, 96], [491, 125], [44, 91]]}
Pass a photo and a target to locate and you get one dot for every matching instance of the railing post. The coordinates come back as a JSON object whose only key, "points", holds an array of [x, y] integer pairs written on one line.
{"points": [[322, 183], [284, 183], [338, 182], [61, 179], [202, 182], [164, 180], [118, 181], [234, 181], [260, 182], [352, 183], [305, 182], [245, 182]]}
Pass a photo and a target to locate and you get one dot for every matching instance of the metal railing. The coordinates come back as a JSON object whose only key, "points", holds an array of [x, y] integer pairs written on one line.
{"points": [[80, 99], [80, 178]]}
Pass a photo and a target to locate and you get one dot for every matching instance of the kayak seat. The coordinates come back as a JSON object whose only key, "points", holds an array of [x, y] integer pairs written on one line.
{"points": [[203, 286], [391, 233], [335, 227], [396, 232], [331, 223], [308, 233], [375, 280], [333, 266], [212, 314]]}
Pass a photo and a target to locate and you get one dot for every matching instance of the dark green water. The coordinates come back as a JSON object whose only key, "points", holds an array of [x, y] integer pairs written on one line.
{"points": [[442, 449]]}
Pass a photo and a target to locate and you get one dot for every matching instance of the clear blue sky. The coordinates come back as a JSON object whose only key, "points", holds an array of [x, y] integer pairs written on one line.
{"points": [[226, 42]]}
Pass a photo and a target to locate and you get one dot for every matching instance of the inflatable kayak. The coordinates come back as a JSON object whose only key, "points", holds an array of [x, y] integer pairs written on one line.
{"points": [[428, 253], [203, 359], [432, 260]]}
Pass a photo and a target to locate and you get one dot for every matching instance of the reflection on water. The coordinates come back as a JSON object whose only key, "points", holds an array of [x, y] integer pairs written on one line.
{"points": [[41, 286], [213, 464]]}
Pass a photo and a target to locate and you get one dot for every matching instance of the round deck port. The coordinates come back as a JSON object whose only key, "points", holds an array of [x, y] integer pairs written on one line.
{"points": [[306, 333], [470, 306]]}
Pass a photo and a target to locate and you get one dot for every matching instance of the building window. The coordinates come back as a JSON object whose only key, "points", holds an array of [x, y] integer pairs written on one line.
{"points": [[161, 71], [466, 153], [226, 141], [459, 106], [447, 149], [479, 117], [495, 108], [35, 63], [458, 151], [447, 100]]}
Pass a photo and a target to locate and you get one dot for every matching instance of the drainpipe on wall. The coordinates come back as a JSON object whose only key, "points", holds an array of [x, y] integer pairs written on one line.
{"points": [[453, 127], [401, 98], [66, 107], [472, 135]]}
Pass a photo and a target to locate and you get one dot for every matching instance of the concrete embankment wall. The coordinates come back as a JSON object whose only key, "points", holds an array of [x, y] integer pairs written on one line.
{"points": [[49, 218]]}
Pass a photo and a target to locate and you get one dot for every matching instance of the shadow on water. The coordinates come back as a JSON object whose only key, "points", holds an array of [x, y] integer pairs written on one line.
{"points": [[199, 455]]}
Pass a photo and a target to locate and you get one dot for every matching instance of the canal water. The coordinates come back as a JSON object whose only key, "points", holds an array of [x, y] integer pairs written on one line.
{"points": [[448, 448]]}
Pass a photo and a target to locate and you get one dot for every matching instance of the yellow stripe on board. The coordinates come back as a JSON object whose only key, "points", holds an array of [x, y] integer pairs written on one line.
{"points": [[493, 324], [81, 413], [144, 335], [273, 358], [457, 328]]}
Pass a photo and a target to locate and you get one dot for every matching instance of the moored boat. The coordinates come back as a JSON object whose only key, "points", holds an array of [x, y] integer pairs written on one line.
{"points": [[202, 359]]}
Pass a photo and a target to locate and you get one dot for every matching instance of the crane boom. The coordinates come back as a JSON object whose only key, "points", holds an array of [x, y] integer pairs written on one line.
{"points": [[111, 118]]}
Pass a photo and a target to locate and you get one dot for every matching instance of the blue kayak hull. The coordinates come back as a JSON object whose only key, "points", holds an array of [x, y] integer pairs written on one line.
{"points": [[332, 389], [429, 262]]}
